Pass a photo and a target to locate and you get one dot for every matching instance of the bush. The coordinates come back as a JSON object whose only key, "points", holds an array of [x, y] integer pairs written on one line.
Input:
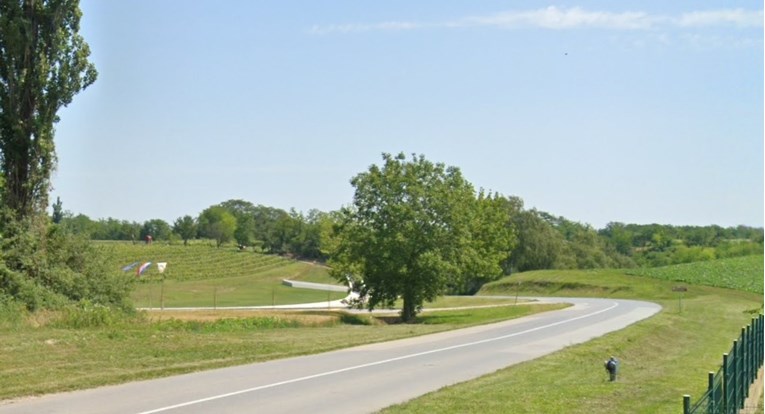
{"points": [[11, 312], [45, 266], [87, 314]]}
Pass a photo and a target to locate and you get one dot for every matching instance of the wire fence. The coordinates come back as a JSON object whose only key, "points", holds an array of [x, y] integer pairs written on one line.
{"points": [[728, 388]]}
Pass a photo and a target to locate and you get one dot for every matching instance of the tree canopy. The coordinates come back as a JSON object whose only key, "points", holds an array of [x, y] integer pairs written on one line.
{"points": [[413, 231], [43, 64], [217, 223]]}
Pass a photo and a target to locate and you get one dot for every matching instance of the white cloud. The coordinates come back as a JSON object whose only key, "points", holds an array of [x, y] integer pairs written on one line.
{"points": [[555, 18], [736, 17], [356, 27]]}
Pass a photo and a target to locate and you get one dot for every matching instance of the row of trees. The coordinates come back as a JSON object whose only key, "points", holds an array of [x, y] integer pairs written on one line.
{"points": [[542, 240], [266, 229]]}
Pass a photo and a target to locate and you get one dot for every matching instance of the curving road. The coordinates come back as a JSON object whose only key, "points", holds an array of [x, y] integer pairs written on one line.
{"points": [[355, 380]]}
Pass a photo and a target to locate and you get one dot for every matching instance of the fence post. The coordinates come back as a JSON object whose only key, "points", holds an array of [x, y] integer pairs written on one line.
{"points": [[734, 379], [758, 345], [726, 382], [742, 384], [760, 341], [745, 360], [751, 368], [712, 404], [686, 404]]}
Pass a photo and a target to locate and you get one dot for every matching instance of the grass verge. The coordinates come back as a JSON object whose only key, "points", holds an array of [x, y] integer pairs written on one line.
{"points": [[662, 358], [46, 354]]}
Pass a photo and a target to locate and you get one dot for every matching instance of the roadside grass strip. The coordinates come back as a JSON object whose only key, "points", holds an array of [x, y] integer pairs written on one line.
{"points": [[45, 356]]}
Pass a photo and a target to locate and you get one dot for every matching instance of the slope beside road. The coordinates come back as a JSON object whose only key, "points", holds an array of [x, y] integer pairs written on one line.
{"points": [[355, 380]]}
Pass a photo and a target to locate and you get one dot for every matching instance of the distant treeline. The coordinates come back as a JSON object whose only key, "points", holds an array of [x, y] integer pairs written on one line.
{"points": [[543, 241]]}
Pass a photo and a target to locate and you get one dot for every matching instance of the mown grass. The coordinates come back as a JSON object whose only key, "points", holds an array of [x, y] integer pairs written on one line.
{"points": [[662, 358], [46, 354], [264, 288]]}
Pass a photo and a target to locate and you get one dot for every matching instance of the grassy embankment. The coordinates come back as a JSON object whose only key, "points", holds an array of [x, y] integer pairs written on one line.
{"points": [[662, 358], [81, 348]]}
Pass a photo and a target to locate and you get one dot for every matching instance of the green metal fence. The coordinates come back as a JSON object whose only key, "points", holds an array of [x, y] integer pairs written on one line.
{"points": [[728, 388]]}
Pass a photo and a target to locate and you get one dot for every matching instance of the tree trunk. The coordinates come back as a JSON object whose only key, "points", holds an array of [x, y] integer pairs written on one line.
{"points": [[408, 312]]}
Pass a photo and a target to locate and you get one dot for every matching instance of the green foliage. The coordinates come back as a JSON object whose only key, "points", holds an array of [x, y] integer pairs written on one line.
{"points": [[43, 64], [12, 312], [186, 228], [217, 223], [540, 246], [44, 266], [157, 229], [58, 211], [103, 229], [662, 245], [413, 231], [740, 273], [86, 314]]}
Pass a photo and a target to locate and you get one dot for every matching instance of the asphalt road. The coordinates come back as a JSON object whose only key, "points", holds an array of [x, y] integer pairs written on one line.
{"points": [[354, 380]]}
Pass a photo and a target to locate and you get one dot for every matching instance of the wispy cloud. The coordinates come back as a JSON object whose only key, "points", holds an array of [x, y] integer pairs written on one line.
{"points": [[736, 17], [554, 18]]}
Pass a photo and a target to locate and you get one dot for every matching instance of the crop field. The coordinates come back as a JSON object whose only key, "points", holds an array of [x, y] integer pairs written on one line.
{"points": [[206, 276], [192, 262], [740, 273]]}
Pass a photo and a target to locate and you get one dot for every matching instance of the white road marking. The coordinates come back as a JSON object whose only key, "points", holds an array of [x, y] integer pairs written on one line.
{"points": [[371, 364]]}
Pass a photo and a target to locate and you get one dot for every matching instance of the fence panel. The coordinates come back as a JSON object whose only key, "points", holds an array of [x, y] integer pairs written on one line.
{"points": [[728, 388]]}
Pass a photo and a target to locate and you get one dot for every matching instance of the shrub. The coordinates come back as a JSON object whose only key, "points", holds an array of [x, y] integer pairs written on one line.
{"points": [[87, 314], [44, 266]]}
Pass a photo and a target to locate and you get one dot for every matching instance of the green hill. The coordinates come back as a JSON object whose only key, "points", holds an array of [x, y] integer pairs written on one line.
{"points": [[740, 273], [203, 275], [192, 262]]}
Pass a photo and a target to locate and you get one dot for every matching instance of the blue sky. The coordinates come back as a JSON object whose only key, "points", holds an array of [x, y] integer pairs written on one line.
{"points": [[639, 112]]}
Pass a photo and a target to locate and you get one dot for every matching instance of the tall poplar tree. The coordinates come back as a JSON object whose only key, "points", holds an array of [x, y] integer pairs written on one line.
{"points": [[43, 64]]}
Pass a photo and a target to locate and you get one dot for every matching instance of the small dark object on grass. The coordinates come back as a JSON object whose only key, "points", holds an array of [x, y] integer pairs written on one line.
{"points": [[612, 366]]}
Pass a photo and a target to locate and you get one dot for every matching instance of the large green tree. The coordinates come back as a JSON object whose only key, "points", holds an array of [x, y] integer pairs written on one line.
{"points": [[217, 223], [186, 228], [411, 233], [43, 64], [156, 228]]}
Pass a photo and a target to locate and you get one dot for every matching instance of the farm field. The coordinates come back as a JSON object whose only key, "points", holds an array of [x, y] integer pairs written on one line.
{"points": [[206, 276], [741, 273]]}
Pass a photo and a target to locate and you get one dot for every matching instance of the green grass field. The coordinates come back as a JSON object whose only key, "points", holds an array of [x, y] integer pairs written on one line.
{"points": [[662, 358], [47, 354]]}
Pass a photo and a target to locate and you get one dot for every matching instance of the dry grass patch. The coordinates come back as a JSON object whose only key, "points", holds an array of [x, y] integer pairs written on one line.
{"points": [[302, 318]]}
